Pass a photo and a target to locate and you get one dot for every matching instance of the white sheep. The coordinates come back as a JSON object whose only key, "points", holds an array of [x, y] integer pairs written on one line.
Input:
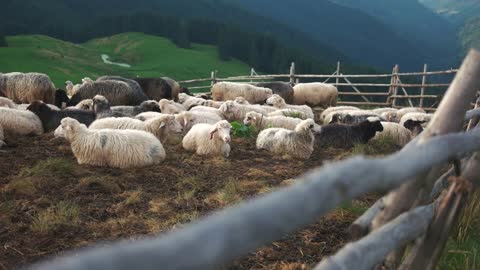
{"points": [[7, 103], [71, 88], [315, 94], [209, 139], [241, 100], [212, 103], [236, 112], [397, 116], [329, 110], [416, 117], [18, 122], [191, 118], [261, 121], [383, 110], [170, 106], [279, 103], [224, 91], [110, 147], [188, 101], [87, 80], [27, 87], [162, 127], [149, 115], [296, 143], [288, 113], [400, 135]]}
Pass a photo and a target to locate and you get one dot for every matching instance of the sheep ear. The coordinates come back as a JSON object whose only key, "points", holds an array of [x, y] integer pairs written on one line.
{"points": [[162, 125], [68, 127], [212, 133]]}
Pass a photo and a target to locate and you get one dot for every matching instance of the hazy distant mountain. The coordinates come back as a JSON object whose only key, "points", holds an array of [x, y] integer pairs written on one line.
{"points": [[457, 11]]}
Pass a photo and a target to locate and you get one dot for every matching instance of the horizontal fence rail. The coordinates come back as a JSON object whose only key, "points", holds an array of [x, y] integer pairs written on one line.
{"points": [[391, 97]]}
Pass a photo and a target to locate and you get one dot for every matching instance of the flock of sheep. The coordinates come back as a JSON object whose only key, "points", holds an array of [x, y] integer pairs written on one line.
{"points": [[118, 122]]}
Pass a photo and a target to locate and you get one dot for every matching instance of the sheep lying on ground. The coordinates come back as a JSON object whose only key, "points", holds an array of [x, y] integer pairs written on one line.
{"points": [[279, 103], [315, 94], [209, 139], [18, 122], [261, 121], [189, 102], [241, 100], [349, 117], [170, 106], [51, 118], [224, 91], [330, 110], [86, 104], [7, 103], [162, 127], [158, 88], [289, 113], [146, 106], [213, 104], [400, 135], [25, 106], [345, 136], [117, 93], [393, 116], [416, 117], [236, 112], [110, 147], [283, 89], [296, 143], [27, 87], [384, 110], [102, 109], [189, 119]]}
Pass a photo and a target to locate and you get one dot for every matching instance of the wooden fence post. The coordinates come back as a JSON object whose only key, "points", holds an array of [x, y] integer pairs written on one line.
{"points": [[390, 90], [337, 73], [394, 84], [292, 73], [422, 90], [252, 73], [213, 76]]}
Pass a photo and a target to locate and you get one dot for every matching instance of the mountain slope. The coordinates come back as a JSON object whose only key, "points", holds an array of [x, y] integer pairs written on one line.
{"points": [[361, 36], [470, 34], [147, 55], [432, 34], [457, 11]]}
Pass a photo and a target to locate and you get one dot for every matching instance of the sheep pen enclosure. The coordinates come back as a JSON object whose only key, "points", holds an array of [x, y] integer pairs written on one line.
{"points": [[280, 214]]}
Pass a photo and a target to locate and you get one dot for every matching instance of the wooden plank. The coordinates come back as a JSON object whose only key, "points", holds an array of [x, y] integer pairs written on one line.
{"points": [[362, 103], [356, 90], [416, 96], [424, 80], [362, 93]]}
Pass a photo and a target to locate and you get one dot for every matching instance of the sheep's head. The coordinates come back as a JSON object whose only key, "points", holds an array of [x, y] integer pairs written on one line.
{"points": [[373, 123], [100, 103], [150, 105], [61, 98], [86, 105], [39, 107], [68, 128], [414, 126], [87, 80], [230, 109], [221, 130], [68, 84], [241, 100], [251, 118], [166, 123], [182, 97], [276, 101], [336, 118], [305, 125]]}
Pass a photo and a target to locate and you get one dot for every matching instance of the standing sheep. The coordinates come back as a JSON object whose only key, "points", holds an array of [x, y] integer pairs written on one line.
{"points": [[110, 147], [346, 136], [71, 88], [315, 94], [279, 103], [296, 143], [209, 139], [51, 118], [18, 122], [27, 87], [140, 95], [157, 88], [224, 91], [117, 93], [176, 89], [162, 127], [283, 89]]}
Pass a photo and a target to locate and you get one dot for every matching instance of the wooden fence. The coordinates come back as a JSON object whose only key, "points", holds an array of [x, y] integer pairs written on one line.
{"points": [[391, 94], [409, 214]]}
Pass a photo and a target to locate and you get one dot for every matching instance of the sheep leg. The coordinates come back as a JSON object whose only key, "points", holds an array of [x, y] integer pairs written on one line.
{"points": [[2, 137]]}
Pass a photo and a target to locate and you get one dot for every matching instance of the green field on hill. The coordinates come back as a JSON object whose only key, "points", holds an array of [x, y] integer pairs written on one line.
{"points": [[149, 56]]}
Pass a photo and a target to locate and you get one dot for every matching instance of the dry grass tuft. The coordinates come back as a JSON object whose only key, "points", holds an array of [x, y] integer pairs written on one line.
{"points": [[63, 213]]}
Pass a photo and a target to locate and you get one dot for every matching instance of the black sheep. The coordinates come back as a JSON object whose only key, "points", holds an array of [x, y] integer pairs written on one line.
{"points": [[51, 118], [283, 89], [346, 136]]}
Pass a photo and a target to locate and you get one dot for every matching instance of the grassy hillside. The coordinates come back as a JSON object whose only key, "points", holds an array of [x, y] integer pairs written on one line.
{"points": [[147, 55], [470, 34]]}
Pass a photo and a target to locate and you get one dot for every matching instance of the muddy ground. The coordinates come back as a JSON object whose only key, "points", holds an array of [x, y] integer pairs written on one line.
{"points": [[49, 204]]}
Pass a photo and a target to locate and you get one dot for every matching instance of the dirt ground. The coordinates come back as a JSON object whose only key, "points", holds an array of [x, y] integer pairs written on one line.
{"points": [[49, 204]]}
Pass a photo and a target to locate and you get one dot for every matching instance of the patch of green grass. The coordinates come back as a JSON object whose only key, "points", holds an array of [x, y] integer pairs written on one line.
{"points": [[21, 187], [241, 130], [63, 213], [49, 168], [230, 193], [149, 56]]}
